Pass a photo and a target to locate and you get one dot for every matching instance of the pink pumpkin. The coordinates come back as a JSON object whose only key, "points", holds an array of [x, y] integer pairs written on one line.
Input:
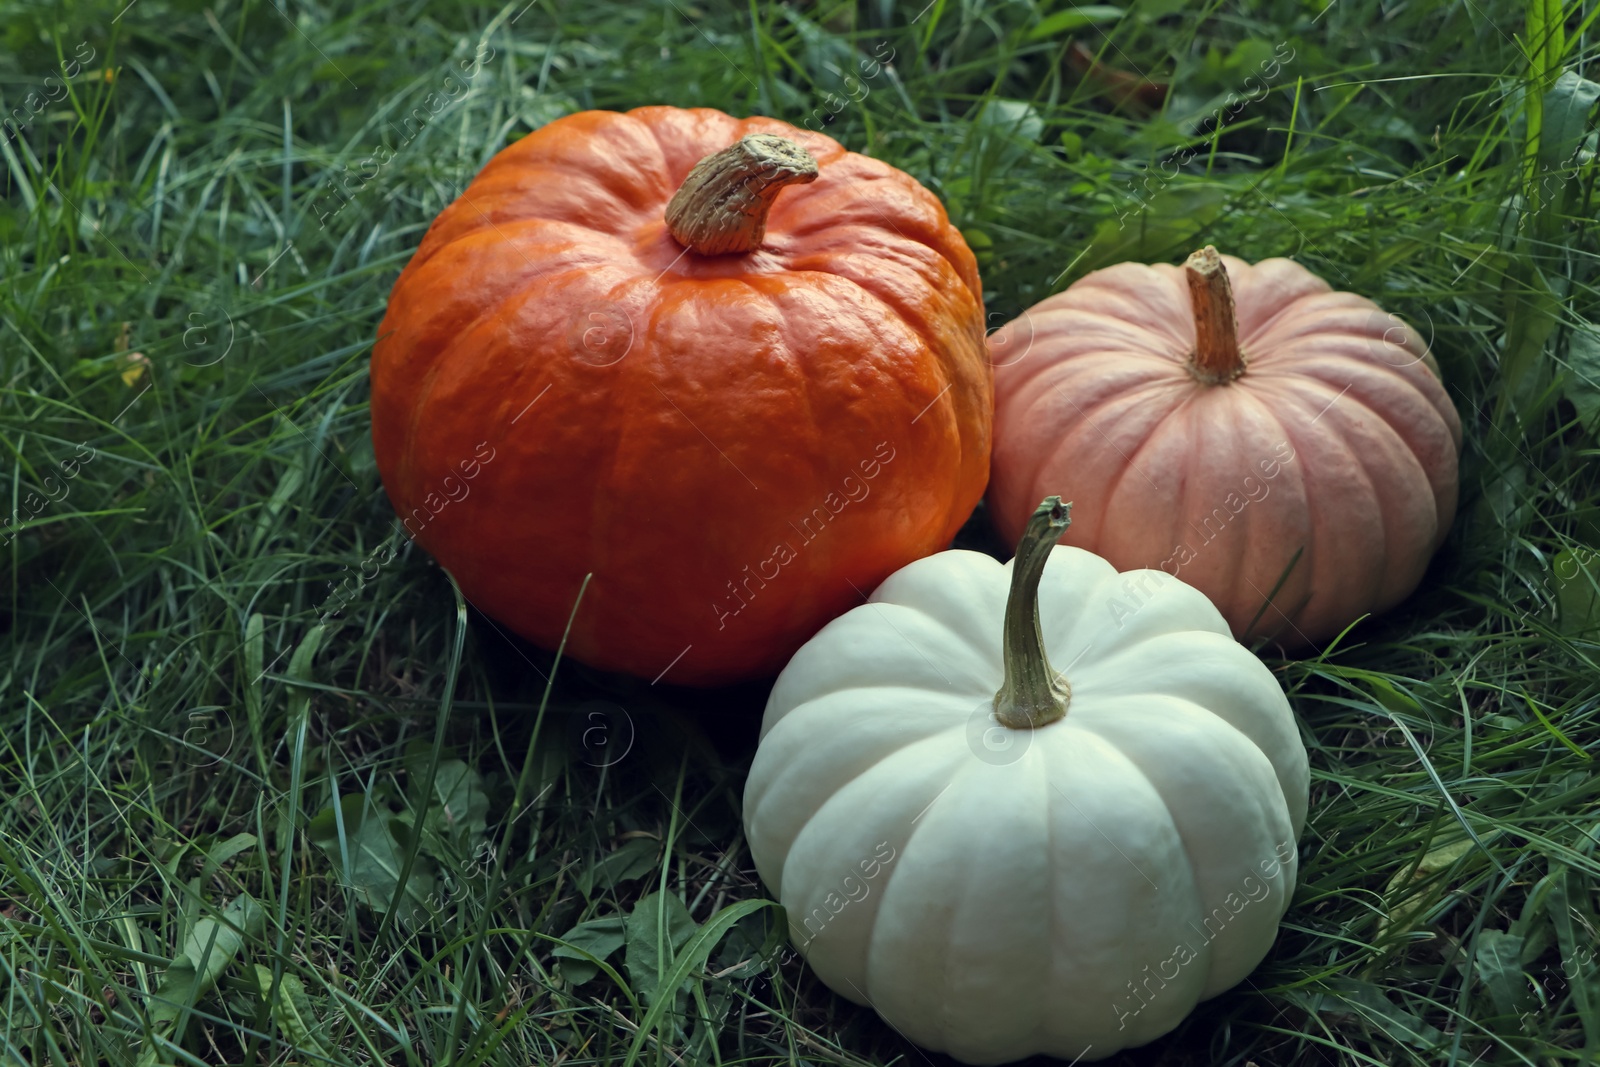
{"points": [[1285, 448]]}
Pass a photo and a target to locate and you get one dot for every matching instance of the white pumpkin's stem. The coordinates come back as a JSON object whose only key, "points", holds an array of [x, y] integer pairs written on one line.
{"points": [[1217, 358], [1033, 694], [722, 205]]}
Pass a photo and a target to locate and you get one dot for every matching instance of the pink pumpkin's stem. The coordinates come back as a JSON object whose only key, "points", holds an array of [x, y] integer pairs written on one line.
{"points": [[1217, 359]]}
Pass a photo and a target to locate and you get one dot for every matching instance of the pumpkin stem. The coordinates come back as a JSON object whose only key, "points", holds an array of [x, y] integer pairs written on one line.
{"points": [[1217, 359], [1033, 694], [722, 205]]}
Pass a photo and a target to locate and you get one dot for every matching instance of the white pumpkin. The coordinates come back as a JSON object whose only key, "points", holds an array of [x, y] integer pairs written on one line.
{"points": [[1004, 861]]}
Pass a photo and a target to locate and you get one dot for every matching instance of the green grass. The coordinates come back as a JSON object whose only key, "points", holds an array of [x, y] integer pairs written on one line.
{"points": [[213, 627]]}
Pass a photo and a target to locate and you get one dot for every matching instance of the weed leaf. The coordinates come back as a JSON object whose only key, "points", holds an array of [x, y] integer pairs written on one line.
{"points": [[633, 860], [369, 857], [208, 948], [658, 926], [291, 1010], [599, 938]]}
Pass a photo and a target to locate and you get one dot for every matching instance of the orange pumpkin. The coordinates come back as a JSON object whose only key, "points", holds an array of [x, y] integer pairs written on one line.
{"points": [[622, 352], [1285, 448]]}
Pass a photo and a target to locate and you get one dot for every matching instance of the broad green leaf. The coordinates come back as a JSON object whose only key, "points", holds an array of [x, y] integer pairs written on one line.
{"points": [[1574, 920], [459, 808], [755, 945], [1157, 218], [597, 937], [208, 948], [1581, 382], [460, 804], [605, 969], [1371, 1004], [691, 957], [1498, 956], [223, 852], [1016, 117], [1566, 118], [1385, 693], [658, 926], [1532, 313], [1534, 907], [370, 858], [1250, 58], [1576, 575], [1074, 19], [1404, 903], [635, 859], [291, 1010]]}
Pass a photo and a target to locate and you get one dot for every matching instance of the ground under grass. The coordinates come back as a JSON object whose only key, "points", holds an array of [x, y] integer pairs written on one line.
{"points": [[226, 676]]}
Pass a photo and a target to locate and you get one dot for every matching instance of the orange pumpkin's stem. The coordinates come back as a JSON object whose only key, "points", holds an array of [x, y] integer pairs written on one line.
{"points": [[1217, 358], [722, 205], [1033, 695]]}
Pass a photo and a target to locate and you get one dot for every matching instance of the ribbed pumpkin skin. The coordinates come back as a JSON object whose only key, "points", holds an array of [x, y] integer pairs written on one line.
{"points": [[994, 892], [1338, 438], [734, 445]]}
